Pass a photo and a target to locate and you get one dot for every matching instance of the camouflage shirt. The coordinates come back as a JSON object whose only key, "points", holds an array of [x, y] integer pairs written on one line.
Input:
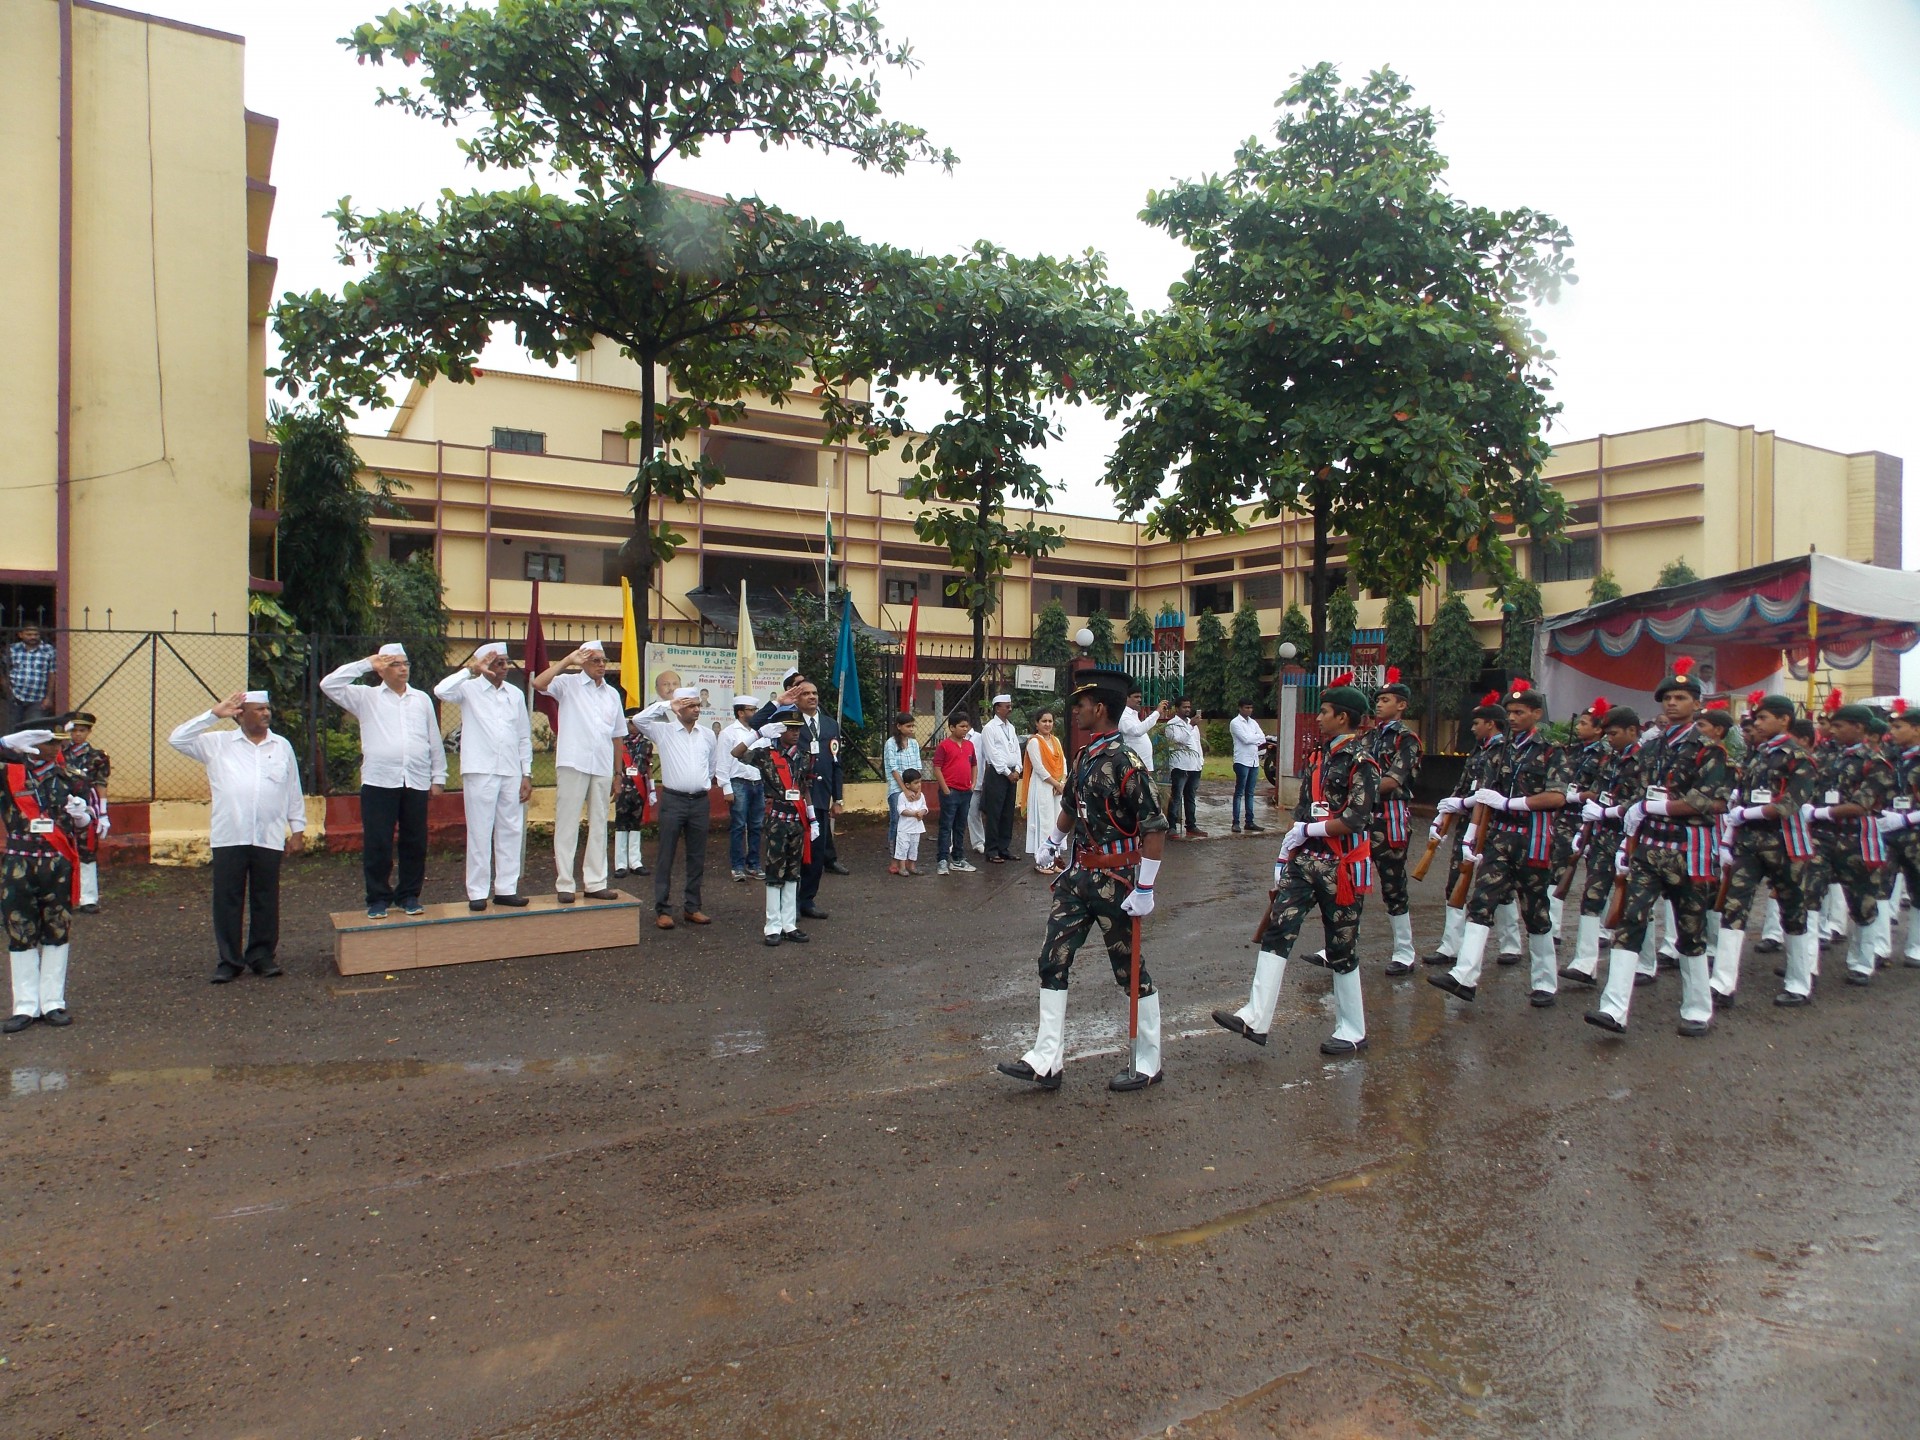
{"points": [[1110, 797], [1689, 766], [1396, 750], [90, 762], [1480, 762], [1855, 775], [1346, 776]]}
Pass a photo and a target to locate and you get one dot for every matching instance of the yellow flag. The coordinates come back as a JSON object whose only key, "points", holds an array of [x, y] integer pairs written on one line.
{"points": [[632, 662], [746, 657]]}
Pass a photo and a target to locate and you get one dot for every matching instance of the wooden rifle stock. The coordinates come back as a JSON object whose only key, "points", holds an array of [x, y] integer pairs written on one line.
{"points": [[1419, 871], [1580, 843], [1260, 930], [1617, 906], [1476, 834]]}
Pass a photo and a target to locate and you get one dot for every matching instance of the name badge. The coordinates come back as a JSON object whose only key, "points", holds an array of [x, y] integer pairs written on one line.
{"points": [[1319, 809], [1903, 802], [42, 826], [1656, 792], [633, 769], [1761, 797], [793, 797], [1833, 798], [816, 747]]}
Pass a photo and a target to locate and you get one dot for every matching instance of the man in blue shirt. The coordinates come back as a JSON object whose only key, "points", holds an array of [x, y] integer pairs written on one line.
{"points": [[30, 665]]}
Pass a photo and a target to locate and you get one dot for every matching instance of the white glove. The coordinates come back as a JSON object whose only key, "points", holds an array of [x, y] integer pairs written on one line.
{"points": [[1434, 834], [1889, 822], [1726, 856], [813, 831], [1622, 862], [1452, 805], [1811, 812], [1573, 794], [1636, 814], [78, 808], [1592, 811], [1471, 857], [1295, 837], [1486, 795], [1656, 805], [1579, 845], [773, 731], [1736, 815], [1279, 873], [1753, 814], [103, 827], [1139, 903]]}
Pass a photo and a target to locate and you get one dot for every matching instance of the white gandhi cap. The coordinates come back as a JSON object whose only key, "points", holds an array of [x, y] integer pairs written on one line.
{"points": [[395, 649], [492, 648], [1003, 699], [595, 646], [256, 697], [687, 692]]}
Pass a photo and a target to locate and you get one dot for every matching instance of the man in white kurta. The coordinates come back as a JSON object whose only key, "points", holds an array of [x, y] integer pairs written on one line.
{"points": [[259, 814], [592, 716], [496, 773]]}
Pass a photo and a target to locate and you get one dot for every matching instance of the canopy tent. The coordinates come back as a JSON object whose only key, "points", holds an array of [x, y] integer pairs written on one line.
{"points": [[1742, 628]]}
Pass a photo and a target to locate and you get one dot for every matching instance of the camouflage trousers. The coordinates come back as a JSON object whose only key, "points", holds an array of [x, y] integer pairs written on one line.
{"points": [[1903, 858], [1658, 873], [1390, 873], [1504, 875], [1838, 863], [1760, 853], [38, 896], [1565, 859], [1311, 882], [629, 807], [1082, 898], [1603, 844], [780, 848]]}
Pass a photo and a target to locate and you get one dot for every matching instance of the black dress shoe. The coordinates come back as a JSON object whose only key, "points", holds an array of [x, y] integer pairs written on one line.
{"points": [[268, 970], [88, 909], [1788, 999], [1227, 1020], [1767, 947], [1693, 1029], [16, 1023], [1721, 1002], [834, 867], [1446, 982], [476, 905], [1577, 977], [1132, 1079], [772, 940], [513, 902], [1334, 1045], [1436, 958], [1508, 957], [1854, 977], [1640, 979], [565, 897], [812, 912], [57, 1017], [224, 973], [1397, 968], [1542, 999], [1020, 1070], [1253, 829], [1601, 1020], [1317, 958], [796, 937]]}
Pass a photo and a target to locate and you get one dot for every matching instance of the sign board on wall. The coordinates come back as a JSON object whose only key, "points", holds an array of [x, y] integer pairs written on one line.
{"points": [[1033, 677], [710, 670]]}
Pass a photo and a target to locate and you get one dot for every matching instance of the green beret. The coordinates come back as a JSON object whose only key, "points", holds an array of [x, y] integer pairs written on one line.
{"points": [[1857, 714], [1348, 699]]}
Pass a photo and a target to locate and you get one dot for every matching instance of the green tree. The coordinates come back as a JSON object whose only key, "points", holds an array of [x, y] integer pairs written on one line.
{"points": [[727, 297], [1009, 339], [1101, 651], [1349, 342], [1520, 614], [1675, 572], [1603, 588], [1343, 618], [1454, 658], [326, 538], [1139, 625], [1207, 667], [410, 606], [1049, 646], [1295, 631], [1243, 656], [1403, 646], [816, 635]]}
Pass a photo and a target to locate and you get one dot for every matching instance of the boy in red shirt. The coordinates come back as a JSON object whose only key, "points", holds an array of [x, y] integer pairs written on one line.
{"points": [[955, 759]]}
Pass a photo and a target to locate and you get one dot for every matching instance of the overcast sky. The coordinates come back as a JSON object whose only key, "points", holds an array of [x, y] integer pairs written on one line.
{"points": [[1740, 180]]}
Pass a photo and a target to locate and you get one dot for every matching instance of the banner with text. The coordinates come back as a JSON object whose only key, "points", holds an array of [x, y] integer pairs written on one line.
{"points": [[710, 671]]}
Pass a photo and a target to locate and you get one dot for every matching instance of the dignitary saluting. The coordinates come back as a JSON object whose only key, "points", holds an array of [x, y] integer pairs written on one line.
{"points": [[402, 764], [1325, 864], [591, 718], [45, 807], [259, 814], [690, 765], [778, 753], [496, 773], [1112, 828]]}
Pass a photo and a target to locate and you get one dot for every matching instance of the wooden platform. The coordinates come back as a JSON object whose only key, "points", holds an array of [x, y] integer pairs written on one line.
{"points": [[455, 935]]}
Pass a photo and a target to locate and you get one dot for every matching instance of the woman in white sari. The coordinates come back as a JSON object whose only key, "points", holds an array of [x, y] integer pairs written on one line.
{"points": [[1046, 778]]}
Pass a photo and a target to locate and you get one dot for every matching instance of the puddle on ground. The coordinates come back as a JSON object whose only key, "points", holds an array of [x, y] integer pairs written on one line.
{"points": [[42, 1080]]}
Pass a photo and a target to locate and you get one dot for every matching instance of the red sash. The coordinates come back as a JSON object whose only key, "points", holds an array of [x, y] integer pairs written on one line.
{"points": [[785, 772], [1353, 853], [29, 804]]}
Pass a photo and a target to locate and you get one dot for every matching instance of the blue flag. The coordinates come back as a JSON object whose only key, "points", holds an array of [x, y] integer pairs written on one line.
{"points": [[846, 675]]}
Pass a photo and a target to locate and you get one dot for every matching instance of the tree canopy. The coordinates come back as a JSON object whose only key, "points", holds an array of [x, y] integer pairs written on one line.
{"points": [[1349, 341]]}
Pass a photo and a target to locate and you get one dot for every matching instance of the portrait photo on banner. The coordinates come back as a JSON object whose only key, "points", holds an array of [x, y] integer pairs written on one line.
{"points": [[710, 671]]}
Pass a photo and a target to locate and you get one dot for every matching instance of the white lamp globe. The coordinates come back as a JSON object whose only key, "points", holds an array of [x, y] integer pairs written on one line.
{"points": [[1083, 637], [1287, 650]]}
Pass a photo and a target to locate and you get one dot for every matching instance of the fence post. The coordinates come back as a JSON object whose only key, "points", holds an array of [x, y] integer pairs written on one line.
{"points": [[153, 714]]}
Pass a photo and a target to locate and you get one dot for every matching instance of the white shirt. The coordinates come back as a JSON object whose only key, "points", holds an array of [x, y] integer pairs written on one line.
{"points": [[591, 719], [1137, 731], [1000, 747], [399, 734], [913, 814], [1184, 737], [731, 769], [256, 788], [1247, 739], [689, 759], [496, 736]]}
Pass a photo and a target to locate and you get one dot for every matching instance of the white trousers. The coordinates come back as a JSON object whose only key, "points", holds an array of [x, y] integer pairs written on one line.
{"points": [[39, 979], [1770, 927], [783, 908], [575, 790], [89, 882], [495, 820]]}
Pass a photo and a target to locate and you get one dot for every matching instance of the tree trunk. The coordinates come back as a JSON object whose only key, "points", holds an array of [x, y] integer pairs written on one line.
{"points": [[1319, 582], [640, 562]]}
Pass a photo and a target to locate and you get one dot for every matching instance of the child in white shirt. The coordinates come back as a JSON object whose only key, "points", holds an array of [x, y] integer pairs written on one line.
{"points": [[913, 822]]}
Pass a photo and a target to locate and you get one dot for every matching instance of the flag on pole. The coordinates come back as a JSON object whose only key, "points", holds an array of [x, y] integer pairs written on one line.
{"points": [[826, 566], [632, 660], [746, 655], [537, 661], [910, 667], [846, 675]]}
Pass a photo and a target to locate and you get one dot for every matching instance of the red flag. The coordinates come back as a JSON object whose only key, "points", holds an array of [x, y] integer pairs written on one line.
{"points": [[537, 661], [910, 667]]}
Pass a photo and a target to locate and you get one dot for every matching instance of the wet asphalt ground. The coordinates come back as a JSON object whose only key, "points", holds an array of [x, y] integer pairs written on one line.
{"points": [[703, 1188]]}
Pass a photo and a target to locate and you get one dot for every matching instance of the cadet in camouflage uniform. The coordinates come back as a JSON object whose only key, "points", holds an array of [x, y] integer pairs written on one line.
{"points": [[1581, 761], [1396, 750], [1598, 839], [79, 755], [1887, 877], [632, 798], [1521, 791], [789, 830], [1110, 815], [1324, 865], [1490, 737], [1854, 785], [44, 807], [1771, 843], [1897, 821], [1670, 854]]}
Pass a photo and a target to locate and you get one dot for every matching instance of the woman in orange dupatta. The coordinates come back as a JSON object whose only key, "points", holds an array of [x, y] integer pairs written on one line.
{"points": [[1046, 778]]}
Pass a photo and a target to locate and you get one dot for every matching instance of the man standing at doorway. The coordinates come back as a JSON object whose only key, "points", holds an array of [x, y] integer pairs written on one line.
{"points": [[30, 667]]}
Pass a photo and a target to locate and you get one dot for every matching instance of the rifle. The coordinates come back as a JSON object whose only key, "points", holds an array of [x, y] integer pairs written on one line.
{"points": [[1260, 929], [1419, 871], [1617, 907], [1580, 843], [1482, 818]]}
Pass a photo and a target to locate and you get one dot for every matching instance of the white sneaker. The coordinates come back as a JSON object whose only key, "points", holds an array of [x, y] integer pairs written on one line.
{"points": [[941, 868], [964, 868]]}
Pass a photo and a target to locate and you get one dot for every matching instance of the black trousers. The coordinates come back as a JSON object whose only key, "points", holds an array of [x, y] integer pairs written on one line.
{"points": [[388, 816], [246, 878], [1186, 786], [680, 817], [996, 814], [823, 848]]}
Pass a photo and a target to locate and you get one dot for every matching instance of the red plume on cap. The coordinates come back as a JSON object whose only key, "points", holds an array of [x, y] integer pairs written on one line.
{"points": [[1834, 700], [1899, 707], [1720, 704], [1682, 667], [1345, 677], [1521, 683], [1393, 674], [1492, 697], [1599, 708], [1754, 697]]}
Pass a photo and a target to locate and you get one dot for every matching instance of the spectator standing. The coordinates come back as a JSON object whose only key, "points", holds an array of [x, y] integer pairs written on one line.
{"points": [[1136, 726], [496, 773], [1046, 779], [1248, 741], [1187, 756], [957, 762], [591, 718], [822, 733], [913, 823], [746, 793], [689, 769], [976, 821], [403, 764], [258, 815], [30, 668], [999, 779], [900, 754]]}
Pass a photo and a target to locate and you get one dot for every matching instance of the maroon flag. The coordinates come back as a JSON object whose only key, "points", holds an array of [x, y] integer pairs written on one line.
{"points": [[537, 661], [910, 666]]}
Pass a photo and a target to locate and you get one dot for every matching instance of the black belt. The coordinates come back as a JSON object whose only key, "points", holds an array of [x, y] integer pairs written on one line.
{"points": [[689, 794]]}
